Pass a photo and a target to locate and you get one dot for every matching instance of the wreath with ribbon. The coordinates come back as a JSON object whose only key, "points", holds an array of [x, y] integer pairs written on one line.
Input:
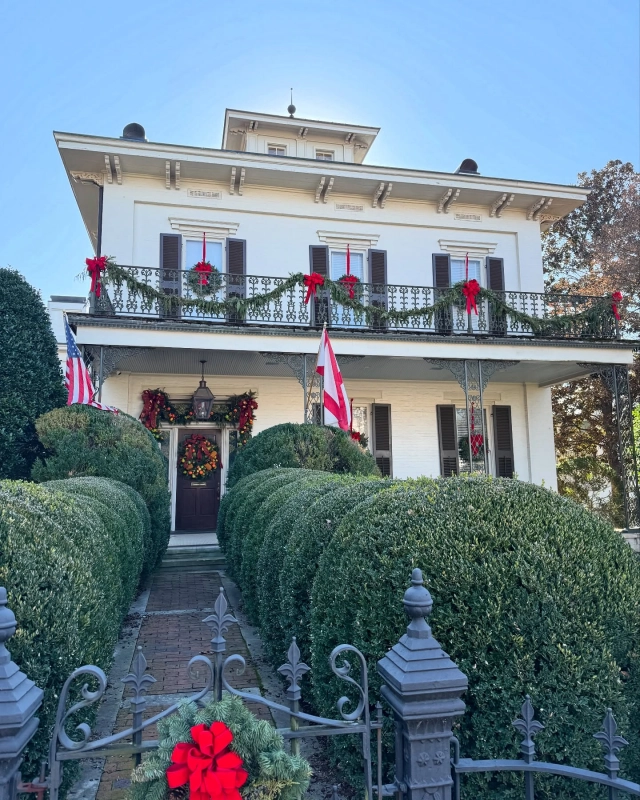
{"points": [[198, 457]]}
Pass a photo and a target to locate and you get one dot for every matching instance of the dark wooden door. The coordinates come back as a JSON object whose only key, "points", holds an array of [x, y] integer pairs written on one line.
{"points": [[197, 501]]}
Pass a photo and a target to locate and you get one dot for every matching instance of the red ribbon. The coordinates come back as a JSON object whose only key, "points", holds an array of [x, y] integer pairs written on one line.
{"points": [[247, 407], [312, 282], [349, 282], [154, 403], [211, 769], [205, 268], [355, 435], [470, 290], [94, 267], [616, 297]]}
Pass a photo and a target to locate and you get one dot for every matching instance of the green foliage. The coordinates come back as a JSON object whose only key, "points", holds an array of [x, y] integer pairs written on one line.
{"points": [[274, 774], [532, 594], [62, 561], [30, 376], [311, 446], [231, 501], [84, 441], [314, 529]]}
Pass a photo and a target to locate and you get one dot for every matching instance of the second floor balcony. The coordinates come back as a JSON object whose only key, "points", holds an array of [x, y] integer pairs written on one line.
{"points": [[289, 303]]}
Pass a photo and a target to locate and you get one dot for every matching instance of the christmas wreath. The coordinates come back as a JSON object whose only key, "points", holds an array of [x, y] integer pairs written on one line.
{"points": [[219, 752], [349, 281], [204, 279], [198, 457]]}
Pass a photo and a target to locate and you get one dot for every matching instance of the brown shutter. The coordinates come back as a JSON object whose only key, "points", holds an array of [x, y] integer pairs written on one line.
{"points": [[319, 262], [236, 271], [504, 441], [170, 271], [382, 437], [495, 282], [448, 440], [378, 279], [443, 320]]}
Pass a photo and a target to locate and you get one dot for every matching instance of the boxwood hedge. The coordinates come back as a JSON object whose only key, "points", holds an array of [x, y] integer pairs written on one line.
{"points": [[532, 594], [61, 561], [82, 441], [289, 445]]}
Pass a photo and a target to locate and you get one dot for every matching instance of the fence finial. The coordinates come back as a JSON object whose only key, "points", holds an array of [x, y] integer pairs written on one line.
{"points": [[418, 605], [20, 698]]}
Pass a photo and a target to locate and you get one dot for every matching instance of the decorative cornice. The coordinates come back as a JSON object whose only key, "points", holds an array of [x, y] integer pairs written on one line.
{"points": [[447, 200], [213, 230], [341, 239], [462, 246], [88, 177]]}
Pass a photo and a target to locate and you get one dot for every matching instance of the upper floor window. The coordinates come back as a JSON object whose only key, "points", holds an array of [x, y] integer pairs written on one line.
{"points": [[193, 253], [325, 155], [458, 272], [276, 150], [339, 264]]}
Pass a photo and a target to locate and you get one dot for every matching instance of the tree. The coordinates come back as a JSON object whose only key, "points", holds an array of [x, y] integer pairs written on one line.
{"points": [[30, 376], [596, 250]]}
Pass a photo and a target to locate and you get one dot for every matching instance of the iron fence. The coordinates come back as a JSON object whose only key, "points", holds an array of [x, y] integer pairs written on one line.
{"points": [[422, 688], [289, 309]]}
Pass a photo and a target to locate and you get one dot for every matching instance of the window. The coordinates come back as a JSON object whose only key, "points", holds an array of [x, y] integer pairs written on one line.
{"points": [[480, 444], [324, 155], [458, 274], [276, 150], [339, 264], [360, 420], [193, 254]]}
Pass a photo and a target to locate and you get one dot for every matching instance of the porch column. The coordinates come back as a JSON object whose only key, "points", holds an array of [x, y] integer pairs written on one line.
{"points": [[616, 379], [473, 377]]}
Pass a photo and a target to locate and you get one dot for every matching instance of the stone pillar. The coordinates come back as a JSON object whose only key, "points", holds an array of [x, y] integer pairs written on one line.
{"points": [[20, 698], [423, 687]]}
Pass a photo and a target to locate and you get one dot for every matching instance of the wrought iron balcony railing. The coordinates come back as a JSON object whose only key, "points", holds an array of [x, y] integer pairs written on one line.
{"points": [[255, 300]]}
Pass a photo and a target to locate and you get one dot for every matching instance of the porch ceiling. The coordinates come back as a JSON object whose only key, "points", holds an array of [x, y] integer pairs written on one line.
{"points": [[171, 361]]}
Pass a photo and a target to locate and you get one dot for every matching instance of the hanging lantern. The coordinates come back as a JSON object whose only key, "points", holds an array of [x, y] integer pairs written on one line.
{"points": [[202, 399]]}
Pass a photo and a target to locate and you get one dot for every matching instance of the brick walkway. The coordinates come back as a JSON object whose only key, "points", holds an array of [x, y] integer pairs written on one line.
{"points": [[171, 633]]}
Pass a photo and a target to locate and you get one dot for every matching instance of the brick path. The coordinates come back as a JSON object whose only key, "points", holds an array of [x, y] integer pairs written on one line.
{"points": [[171, 633]]}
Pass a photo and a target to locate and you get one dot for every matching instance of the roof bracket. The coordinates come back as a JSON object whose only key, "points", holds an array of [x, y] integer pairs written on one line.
{"points": [[232, 181], [376, 196], [537, 206], [543, 208], [107, 166], [241, 181], [327, 191], [167, 174], [503, 202], [177, 178], [116, 164], [385, 195], [447, 200], [319, 189]]}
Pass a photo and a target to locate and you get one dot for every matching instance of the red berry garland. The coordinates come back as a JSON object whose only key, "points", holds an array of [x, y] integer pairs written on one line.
{"points": [[198, 457]]}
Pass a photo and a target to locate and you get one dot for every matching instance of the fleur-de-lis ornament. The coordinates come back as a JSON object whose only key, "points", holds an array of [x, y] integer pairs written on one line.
{"points": [[611, 742], [528, 726], [293, 670], [219, 623], [139, 679]]}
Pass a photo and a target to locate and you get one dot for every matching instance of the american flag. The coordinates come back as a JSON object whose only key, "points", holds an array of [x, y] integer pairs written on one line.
{"points": [[77, 378]]}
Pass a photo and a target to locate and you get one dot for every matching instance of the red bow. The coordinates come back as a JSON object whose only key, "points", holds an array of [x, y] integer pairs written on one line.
{"points": [[616, 297], [203, 267], [355, 435], [349, 281], [212, 770], [247, 407], [470, 290], [154, 403], [312, 282], [94, 267]]}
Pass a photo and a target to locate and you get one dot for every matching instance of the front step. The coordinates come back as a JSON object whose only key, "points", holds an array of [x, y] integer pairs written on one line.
{"points": [[200, 557]]}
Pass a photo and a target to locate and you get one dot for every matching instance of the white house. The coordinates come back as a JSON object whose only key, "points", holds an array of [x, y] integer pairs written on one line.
{"points": [[282, 196]]}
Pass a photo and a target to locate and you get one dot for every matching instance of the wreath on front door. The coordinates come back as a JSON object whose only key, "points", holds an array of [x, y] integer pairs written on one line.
{"points": [[198, 457]]}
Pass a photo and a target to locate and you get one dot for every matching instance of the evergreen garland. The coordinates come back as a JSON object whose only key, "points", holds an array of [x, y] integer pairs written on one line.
{"points": [[591, 317], [273, 773]]}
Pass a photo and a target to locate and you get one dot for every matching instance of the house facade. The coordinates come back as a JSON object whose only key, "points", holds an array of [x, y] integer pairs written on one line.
{"points": [[437, 387]]}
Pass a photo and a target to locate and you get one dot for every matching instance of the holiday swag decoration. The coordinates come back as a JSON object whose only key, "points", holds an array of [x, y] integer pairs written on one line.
{"points": [[460, 295], [95, 266], [238, 410], [198, 457], [219, 752]]}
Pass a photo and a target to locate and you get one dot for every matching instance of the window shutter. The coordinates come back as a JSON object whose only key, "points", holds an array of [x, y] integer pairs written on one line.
{"points": [[378, 279], [236, 271], [495, 281], [170, 271], [382, 437], [443, 320], [504, 441], [448, 439], [319, 262]]}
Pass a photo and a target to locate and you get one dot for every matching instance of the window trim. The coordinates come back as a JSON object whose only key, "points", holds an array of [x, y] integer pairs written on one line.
{"points": [[276, 147], [319, 151]]}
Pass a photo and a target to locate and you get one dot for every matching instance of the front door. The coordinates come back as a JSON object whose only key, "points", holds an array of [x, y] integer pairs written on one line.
{"points": [[197, 501]]}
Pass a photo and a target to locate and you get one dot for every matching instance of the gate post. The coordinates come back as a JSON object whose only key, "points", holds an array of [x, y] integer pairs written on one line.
{"points": [[20, 698], [423, 687]]}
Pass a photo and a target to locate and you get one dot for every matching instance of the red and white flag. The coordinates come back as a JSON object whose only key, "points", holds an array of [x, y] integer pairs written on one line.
{"points": [[77, 379], [336, 403]]}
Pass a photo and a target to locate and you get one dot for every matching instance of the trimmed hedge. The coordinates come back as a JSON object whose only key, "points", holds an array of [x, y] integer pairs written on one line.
{"points": [[30, 375], [532, 594], [311, 446], [61, 561], [84, 441], [313, 531]]}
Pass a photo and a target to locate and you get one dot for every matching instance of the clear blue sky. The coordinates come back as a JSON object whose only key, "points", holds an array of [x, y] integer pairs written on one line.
{"points": [[536, 91]]}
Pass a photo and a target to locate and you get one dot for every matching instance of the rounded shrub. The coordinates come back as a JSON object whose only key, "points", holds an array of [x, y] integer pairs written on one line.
{"points": [[30, 375], [311, 446], [532, 594], [243, 517], [230, 501], [60, 561], [84, 441], [267, 574], [313, 531]]}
